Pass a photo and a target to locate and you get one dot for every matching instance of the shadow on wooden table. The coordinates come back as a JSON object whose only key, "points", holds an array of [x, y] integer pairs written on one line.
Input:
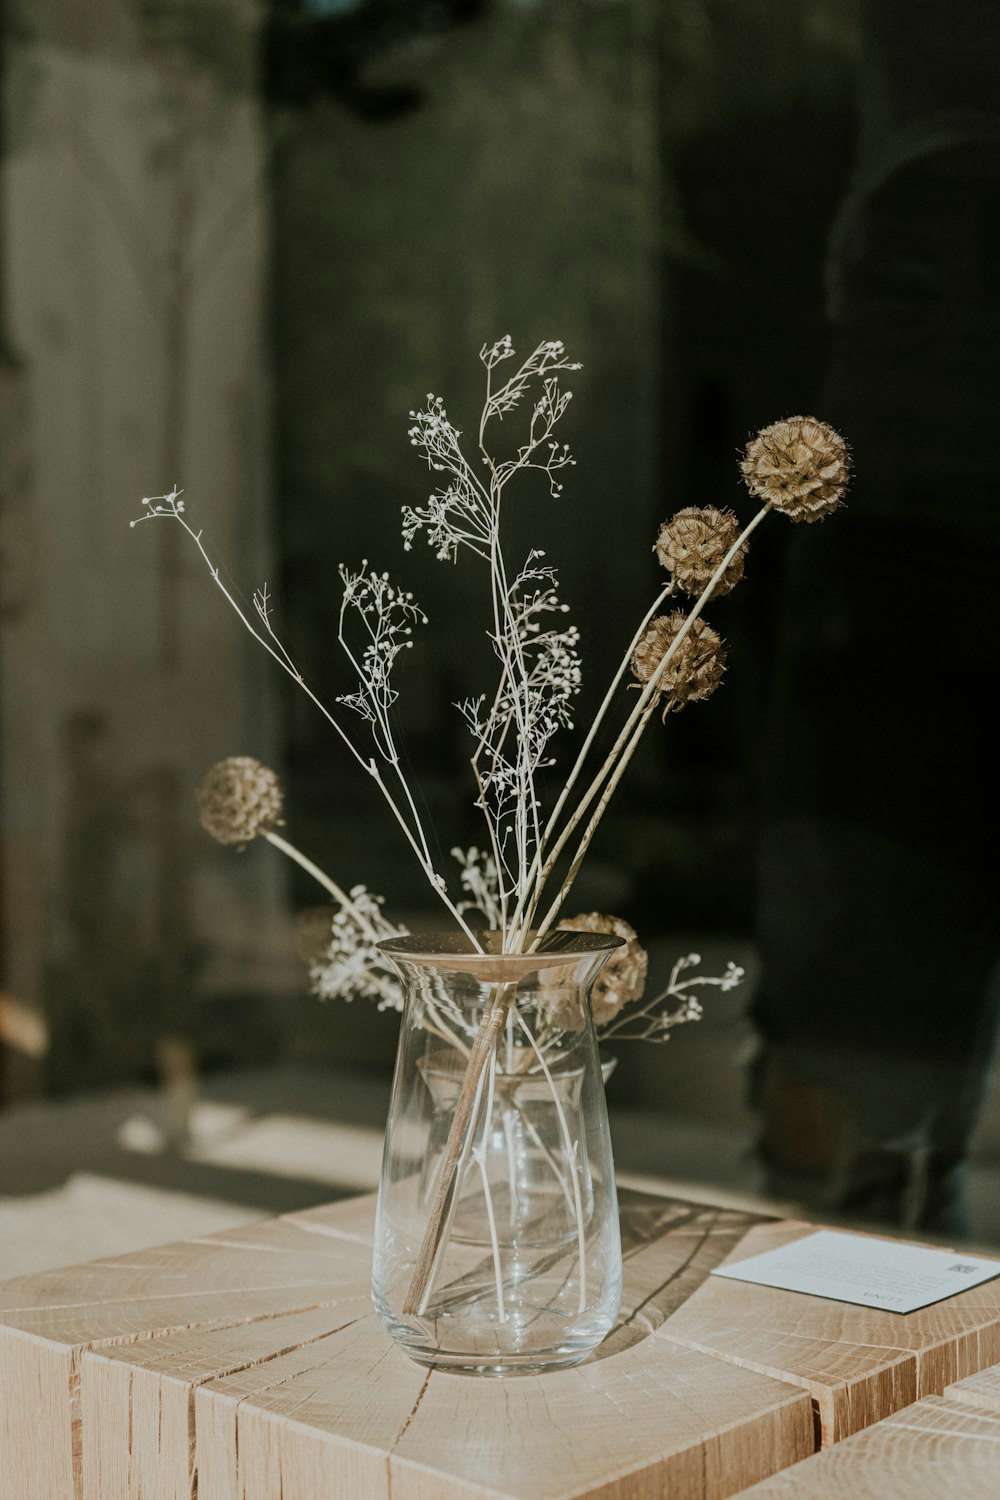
{"points": [[668, 1249]]}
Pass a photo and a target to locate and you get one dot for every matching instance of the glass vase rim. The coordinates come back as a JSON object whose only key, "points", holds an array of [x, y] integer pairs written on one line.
{"points": [[453, 950]]}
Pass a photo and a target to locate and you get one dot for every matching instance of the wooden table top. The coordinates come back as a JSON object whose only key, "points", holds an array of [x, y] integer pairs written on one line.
{"points": [[251, 1363]]}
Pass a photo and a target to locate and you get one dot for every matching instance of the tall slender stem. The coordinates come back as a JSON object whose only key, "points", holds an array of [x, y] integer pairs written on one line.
{"points": [[462, 1122], [625, 745], [321, 877], [479, 1153], [437, 1257], [286, 664], [572, 1158], [534, 881]]}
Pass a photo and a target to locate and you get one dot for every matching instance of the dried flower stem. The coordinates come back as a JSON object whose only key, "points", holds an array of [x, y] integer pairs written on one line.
{"points": [[479, 1156], [538, 871], [170, 507], [324, 880], [514, 689], [379, 707], [503, 894], [625, 746], [514, 668], [572, 1161], [456, 1146], [418, 1303], [657, 1026]]}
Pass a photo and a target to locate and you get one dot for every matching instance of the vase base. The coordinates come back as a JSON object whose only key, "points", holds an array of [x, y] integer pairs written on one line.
{"points": [[463, 1357], [499, 1368]]}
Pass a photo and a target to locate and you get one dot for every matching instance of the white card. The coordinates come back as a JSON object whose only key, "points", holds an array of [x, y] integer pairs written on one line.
{"points": [[872, 1273]]}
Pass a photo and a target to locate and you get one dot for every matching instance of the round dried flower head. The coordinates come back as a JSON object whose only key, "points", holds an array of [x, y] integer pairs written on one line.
{"points": [[238, 799], [692, 545], [800, 466], [623, 977], [694, 671]]}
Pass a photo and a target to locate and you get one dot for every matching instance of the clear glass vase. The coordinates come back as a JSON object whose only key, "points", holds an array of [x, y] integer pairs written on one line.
{"points": [[496, 1245]]}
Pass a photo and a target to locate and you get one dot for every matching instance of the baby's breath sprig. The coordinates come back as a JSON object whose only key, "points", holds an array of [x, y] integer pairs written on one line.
{"points": [[385, 616], [480, 879], [540, 669], [353, 964], [654, 1020]]}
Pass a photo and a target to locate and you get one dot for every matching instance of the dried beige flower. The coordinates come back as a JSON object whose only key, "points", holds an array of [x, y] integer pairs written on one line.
{"points": [[800, 465], [696, 668], [692, 545], [238, 799], [623, 977]]}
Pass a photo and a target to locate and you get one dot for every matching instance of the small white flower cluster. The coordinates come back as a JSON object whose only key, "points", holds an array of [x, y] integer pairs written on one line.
{"points": [[549, 357], [552, 660], [539, 705], [353, 964], [653, 1021], [480, 879], [458, 515], [161, 505], [539, 664], [386, 615]]}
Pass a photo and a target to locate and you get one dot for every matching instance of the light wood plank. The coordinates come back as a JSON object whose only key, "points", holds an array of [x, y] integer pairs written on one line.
{"points": [[351, 1219], [48, 1322], [649, 1421], [319, 1422], [362, 1419], [40, 1431], [137, 1410], [858, 1364], [250, 1360], [982, 1390], [369, 1416], [938, 1449]]}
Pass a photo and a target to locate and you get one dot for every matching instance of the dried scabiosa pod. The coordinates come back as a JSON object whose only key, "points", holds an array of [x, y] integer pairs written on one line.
{"points": [[238, 799], [694, 543], [620, 982], [799, 466], [623, 978], [696, 667]]}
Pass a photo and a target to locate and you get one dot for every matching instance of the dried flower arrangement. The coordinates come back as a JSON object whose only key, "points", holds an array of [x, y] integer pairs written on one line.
{"points": [[798, 466]]}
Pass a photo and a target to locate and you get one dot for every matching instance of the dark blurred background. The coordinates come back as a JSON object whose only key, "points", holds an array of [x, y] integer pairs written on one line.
{"points": [[239, 240]]}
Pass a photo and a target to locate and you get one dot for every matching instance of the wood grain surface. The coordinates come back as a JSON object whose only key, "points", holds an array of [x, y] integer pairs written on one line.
{"points": [[858, 1364], [982, 1390], [48, 1323], [248, 1365], [938, 1449]]}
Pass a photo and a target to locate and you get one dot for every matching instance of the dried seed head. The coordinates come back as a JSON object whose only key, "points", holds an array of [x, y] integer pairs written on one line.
{"points": [[696, 667], [238, 799], [623, 977], [692, 545], [800, 466]]}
